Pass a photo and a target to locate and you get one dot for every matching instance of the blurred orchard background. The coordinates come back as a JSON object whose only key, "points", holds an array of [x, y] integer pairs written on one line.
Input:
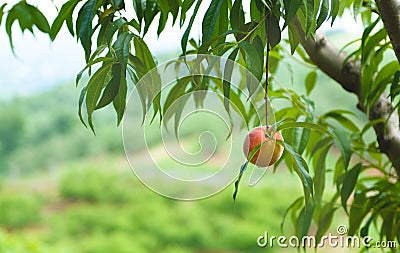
{"points": [[63, 190]]}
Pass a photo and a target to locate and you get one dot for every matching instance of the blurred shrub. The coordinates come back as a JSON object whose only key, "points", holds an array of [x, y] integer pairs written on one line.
{"points": [[93, 185], [11, 129], [115, 243], [18, 211], [12, 244]]}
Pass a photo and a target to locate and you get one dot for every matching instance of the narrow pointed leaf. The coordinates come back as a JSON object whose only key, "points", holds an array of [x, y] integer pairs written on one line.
{"points": [[81, 99], [349, 184], [111, 90], [323, 14], [119, 101], [210, 18], [2, 12], [310, 81], [343, 143], [301, 168], [334, 10], [227, 78], [242, 169], [252, 59], [95, 85], [121, 47], [84, 26], [185, 36], [291, 7]]}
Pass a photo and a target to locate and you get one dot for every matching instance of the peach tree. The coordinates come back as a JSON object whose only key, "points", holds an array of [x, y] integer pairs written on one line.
{"points": [[366, 169]]}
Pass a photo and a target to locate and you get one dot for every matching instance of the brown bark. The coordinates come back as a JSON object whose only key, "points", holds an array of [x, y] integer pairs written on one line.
{"points": [[330, 60], [389, 10]]}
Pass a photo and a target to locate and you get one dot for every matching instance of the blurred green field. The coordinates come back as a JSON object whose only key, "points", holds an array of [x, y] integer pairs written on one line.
{"points": [[97, 208]]}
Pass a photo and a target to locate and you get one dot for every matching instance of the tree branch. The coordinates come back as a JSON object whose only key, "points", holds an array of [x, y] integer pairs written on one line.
{"points": [[389, 10], [330, 60]]}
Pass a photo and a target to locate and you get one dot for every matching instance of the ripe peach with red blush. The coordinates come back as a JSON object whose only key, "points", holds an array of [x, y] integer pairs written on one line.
{"points": [[269, 151]]}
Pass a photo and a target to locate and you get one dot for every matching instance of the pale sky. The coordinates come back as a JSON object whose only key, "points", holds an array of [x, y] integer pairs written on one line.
{"points": [[40, 64]]}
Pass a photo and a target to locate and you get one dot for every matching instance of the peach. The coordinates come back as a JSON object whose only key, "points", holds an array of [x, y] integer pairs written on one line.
{"points": [[269, 150]]}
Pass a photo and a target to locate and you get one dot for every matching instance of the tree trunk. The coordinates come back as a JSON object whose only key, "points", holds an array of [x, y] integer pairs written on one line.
{"points": [[330, 60], [389, 10]]}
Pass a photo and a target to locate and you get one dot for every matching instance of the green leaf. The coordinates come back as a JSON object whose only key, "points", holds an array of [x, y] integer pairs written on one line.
{"points": [[386, 73], [309, 15], [137, 65], [178, 113], [227, 77], [357, 212], [356, 7], [118, 4], [300, 138], [343, 144], [365, 229], [138, 6], [24, 17], [294, 38], [349, 184], [150, 11], [310, 81], [366, 33], [319, 145], [135, 25], [65, 14], [334, 10], [237, 16], [2, 12], [307, 217], [111, 90], [242, 169], [291, 7], [141, 92], [323, 13], [369, 45], [143, 53], [81, 99], [221, 28], [293, 207], [185, 36], [320, 172], [252, 59], [174, 94], [210, 18], [91, 63], [95, 85], [309, 125], [395, 87], [301, 168], [325, 220], [174, 8], [164, 11], [11, 17], [338, 115], [154, 87], [84, 26], [111, 29], [388, 225], [39, 19], [119, 101], [121, 47], [274, 35], [186, 5]]}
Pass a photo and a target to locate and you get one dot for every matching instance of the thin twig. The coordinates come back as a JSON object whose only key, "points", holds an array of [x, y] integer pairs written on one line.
{"points": [[267, 72]]}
